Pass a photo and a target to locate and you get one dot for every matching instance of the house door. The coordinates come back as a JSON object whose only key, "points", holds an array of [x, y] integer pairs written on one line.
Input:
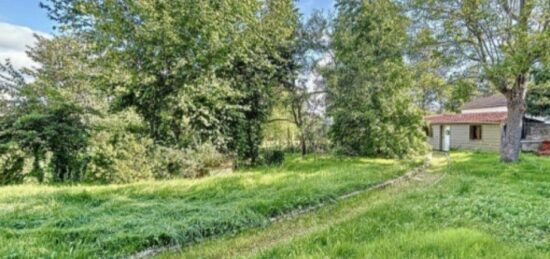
{"points": [[445, 138]]}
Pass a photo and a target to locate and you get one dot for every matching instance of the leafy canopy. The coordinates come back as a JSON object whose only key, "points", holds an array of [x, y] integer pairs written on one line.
{"points": [[369, 82]]}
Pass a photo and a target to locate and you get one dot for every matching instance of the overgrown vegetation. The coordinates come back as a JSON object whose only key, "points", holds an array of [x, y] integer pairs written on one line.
{"points": [[146, 86], [119, 220], [141, 94], [476, 208], [135, 90], [538, 99], [369, 82]]}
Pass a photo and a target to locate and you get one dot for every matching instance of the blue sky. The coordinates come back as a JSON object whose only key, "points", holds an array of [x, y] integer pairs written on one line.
{"points": [[25, 13], [28, 13]]}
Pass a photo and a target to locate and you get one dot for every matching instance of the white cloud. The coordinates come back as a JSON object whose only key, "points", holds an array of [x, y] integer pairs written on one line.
{"points": [[14, 40]]}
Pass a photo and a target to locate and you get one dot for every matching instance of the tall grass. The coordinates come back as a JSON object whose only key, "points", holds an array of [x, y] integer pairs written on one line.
{"points": [[119, 220], [481, 208], [476, 208]]}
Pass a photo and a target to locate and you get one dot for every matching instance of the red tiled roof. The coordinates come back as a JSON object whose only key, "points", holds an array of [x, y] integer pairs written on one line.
{"points": [[486, 117]]}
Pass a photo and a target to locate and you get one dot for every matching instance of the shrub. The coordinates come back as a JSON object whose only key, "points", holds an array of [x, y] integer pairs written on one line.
{"points": [[125, 158], [188, 163], [57, 131], [12, 162], [208, 156], [119, 157], [274, 157]]}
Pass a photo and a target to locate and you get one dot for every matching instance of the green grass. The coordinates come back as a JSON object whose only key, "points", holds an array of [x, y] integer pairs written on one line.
{"points": [[476, 208], [120, 220]]}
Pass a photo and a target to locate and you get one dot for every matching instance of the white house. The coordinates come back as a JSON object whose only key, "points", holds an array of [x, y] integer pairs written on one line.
{"points": [[480, 126]]}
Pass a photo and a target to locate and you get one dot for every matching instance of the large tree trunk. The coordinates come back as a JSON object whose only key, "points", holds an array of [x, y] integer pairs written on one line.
{"points": [[511, 140]]}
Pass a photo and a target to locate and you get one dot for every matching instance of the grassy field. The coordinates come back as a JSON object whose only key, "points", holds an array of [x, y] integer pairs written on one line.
{"points": [[120, 220], [474, 208]]}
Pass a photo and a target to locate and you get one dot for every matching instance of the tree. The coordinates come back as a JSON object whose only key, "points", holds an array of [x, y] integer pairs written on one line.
{"points": [[257, 81], [431, 87], [461, 91], [46, 120], [305, 93], [196, 71], [502, 39], [12, 158], [58, 130], [11, 82], [369, 83], [66, 73], [164, 57]]}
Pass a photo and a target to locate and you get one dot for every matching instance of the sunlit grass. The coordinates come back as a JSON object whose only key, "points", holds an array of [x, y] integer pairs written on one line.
{"points": [[119, 220], [476, 208]]}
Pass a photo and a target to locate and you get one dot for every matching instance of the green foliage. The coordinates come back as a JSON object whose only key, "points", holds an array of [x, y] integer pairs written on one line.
{"points": [[274, 156], [538, 101], [11, 82], [498, 39], [12, 162], [121, 220], [538, 97], [431, 87], [187, 163], [117, 155], [280, 131], [120, 152], [208, 156], [369, 83], [195, 72], [56, 130], [462, 91]]}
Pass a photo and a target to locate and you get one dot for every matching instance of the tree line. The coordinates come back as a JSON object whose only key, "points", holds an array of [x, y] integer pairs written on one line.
{"points": [[152, 89]]}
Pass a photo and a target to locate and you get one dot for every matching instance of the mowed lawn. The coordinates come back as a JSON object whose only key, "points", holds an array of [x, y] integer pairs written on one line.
{"points": [[474, 208], [121, 220]]}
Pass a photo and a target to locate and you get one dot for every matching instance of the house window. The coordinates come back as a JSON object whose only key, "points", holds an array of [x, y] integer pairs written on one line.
{"points": [[475, 132], [428, 131]]}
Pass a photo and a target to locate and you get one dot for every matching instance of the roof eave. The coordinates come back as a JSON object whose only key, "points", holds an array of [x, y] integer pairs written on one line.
{"points": [[471, 122]]}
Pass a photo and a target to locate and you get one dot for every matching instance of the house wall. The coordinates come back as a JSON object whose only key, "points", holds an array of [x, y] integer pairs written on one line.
{"points": [[435, 140], [490, 137]]}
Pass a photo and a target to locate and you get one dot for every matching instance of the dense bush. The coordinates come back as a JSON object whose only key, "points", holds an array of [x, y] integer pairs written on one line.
{"points": [[54, 135], [38, 144], [273, 157], [119, 152], [12, 162], [188, 163], [121, 157], [136, 159]]}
